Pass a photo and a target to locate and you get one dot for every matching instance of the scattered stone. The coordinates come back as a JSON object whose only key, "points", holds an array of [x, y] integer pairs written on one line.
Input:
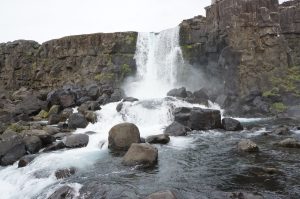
{"points": [[179, 92], [230, 124], [121, 136], [25, 160], [141, 154], [247, 145], [66, 113], [64, 192], [33, 144], [89, 106], [289, 143], [158, 139], [176, 129], [43, 135], [64, 173], [77, 120], [163, 195], [77, 141]]}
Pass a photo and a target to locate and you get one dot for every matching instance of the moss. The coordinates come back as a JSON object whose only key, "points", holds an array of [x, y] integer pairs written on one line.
{"points": [[279, 107], [104, 77], [17, 127], [125, 70], [43, 114], [271, 93], [131, 39]]}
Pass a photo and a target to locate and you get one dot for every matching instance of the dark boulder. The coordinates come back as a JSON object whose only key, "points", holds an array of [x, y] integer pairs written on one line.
{"points": [[89, 106], [130, 99], [121, 136], [176, 129], [55, 146], [230, 124], [178, 92], [33, 144], [182, 115], [30, 106], [158, 139], [205, 119], [65, 98], [93, 91], [77, 120], [141, 154], [13, 155], [76, 141], [199, 97], [64, 173], [247, 145], [43, 135], [60, 136], [117, 95], [119, 107], [54, 119], [25, 160], [64, 192], [91, 117]]}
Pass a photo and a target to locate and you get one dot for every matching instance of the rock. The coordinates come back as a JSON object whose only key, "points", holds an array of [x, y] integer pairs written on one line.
{"points": [[163, 195], [65, 98], [182, 115], [25, 160], [121, 136], [91, 117], [13, 155], [242, 195], [32, 144], [55, 146], [180, 92], [199, 97], [51, 130], [119, 107], [64, 192], [89, 106], [64, 173], [176, 129], [93, 91], [117, 95], [77, 120], [90, 133], [247, 145], [230, 124], [55, 109], [60, 136], [43, 135], [76, 141], [65, 114], [204, 119], [130, 99], [289, 143], [42, 114], [54, 119], [141, 154], [158, 139], [30, 106], [282, 131]]}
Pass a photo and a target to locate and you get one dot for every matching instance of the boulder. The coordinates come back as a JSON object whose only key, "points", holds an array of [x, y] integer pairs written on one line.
{"points": [[33, 144], [289, 143], [43, 135], [182, 115], [76, 141], [55, 109], [25, 160], [141, 154], [121, 136], [158, 139], [117, 95], [89, 106], [176, 129], [54, 119], [64, 192], [130, 99], [77, 120], [93, 91], [199, 97], [65, 114], [30, 106], [91, 116], [60, 136], [247, 145], [55, 146], [230, 124], [64, 173], [282, 131], [119, 107], [13, 155], [65, 98], [179, 92], [51, 130], [243, 195], [168, 194], [204, 119]]}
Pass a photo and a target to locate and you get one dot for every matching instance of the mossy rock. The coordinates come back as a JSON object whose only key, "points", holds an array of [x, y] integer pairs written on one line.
{"points": [[17, 127], [55, 109], [279, 107], [104, 77], [43, 114]]}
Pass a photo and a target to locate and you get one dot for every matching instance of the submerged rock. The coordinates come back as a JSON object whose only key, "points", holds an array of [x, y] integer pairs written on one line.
{"points": [[282, 131], [158, 139], [289, 143], [64, 173], [176, 129], [247, 145], [145, 155], [230, 124], [121, 136], [64, 192], [24, 161], [164, 195]]}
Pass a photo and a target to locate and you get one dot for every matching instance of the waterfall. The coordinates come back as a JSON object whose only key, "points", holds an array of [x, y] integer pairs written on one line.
{"points": [[158, 59]]}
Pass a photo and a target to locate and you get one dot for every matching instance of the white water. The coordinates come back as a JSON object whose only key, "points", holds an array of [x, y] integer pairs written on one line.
{"points": [[159, 63]]}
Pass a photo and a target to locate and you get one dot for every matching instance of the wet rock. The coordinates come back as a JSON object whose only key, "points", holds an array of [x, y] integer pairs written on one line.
{"points": [[51, 130], [121, 136], [89, 106], [43, 135], [60, 136], [64, 173], [199, 97], [130, 99], [90, 133], [33, 144], [176, 129], [182, 115], [65, 114], [8, 142], [158, 139], [77, 120], [13, 155], [178, 92], [119, 107], [65, 98], [282, 131], [141, 154], [55, 146], [64, 192], [230, 124], [117, 95], [93, 91], [247, 145], [76, 141], [54, 119], [91, 116], [289, 143], [25, 160], [55, 109], [168, 194], [204, 119], [30, 106]]}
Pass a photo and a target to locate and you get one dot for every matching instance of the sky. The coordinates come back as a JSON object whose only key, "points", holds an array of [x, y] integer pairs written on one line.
{"points": [[42, 20]]}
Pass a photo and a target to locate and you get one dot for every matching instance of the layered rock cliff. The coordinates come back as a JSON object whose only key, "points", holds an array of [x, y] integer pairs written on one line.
{"points": [[247, 48]]}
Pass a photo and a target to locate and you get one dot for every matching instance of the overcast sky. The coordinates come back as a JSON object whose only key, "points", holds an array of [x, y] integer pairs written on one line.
{"points": [[42, 20]]}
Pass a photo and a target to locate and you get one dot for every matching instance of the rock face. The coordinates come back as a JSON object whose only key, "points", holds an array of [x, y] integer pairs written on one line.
{"points": [[122, 136], [141, 154], [243, 46]]}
